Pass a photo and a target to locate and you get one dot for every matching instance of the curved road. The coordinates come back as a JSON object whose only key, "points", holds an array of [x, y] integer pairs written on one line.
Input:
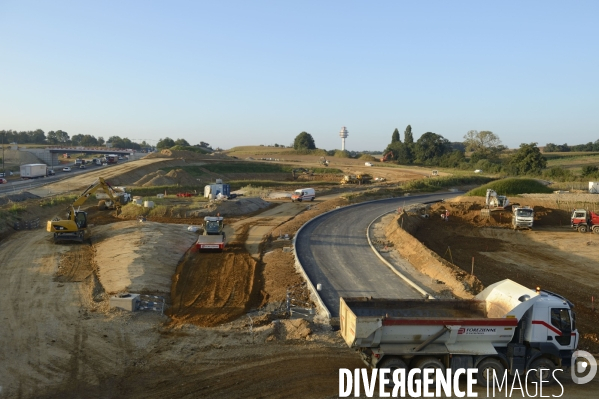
{"points": [[334, 252]]}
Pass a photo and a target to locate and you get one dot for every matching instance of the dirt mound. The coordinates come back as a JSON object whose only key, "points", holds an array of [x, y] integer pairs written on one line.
{"points": [[241, 206], [175, 177], [182, 178], [209, 289], [426, 261], [149, 177], [139, 257], [290, 330], [467, 210]]}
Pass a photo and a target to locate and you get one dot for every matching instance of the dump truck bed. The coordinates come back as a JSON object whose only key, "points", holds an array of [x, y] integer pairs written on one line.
{"points": [[403, 324], [216, 241]]}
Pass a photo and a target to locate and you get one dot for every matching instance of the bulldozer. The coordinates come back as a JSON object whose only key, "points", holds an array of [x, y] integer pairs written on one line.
{"points": [[75, 227], [360, 178]]}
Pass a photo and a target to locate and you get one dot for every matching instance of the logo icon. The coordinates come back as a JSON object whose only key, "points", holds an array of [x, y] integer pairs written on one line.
{"points": [[583, 362]]}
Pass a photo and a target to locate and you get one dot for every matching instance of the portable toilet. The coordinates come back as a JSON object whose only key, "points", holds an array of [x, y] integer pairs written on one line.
{"points": [[594, 187]]}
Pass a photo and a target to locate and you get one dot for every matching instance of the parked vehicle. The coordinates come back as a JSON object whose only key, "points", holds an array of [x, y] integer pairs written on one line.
{"points": [[522, 217], [3, 181], [303, 194], [66, 169], [506, 327], [33, 171], [367, 164], [583, 221]]}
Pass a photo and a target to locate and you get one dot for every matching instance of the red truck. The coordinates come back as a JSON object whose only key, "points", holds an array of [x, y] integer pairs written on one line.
{"points": [[583, 221]]}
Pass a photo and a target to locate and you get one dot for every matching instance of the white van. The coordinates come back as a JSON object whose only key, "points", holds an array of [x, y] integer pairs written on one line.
{"points": [[302, 194]]}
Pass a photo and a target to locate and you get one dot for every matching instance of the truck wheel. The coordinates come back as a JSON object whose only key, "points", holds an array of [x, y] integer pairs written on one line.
{"points": [[542, 367], [427, 362], [393, 363], [582, 228], [488, 366], [596, 229]]}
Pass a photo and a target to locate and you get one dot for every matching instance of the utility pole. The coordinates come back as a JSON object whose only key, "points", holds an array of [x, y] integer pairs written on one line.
{"points": [[3, 134]]}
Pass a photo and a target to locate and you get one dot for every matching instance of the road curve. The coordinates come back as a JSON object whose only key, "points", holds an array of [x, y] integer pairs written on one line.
{"points": [[334, 252]]}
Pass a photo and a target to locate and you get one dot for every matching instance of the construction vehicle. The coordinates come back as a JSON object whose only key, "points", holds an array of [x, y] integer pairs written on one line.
{"points": [[583, 221], [360, 178], [296, 172], [74, 227], [118, 192], [323, 161], [496, 202], [506, 327], [213, 236], [522, 217], [387, 157]]}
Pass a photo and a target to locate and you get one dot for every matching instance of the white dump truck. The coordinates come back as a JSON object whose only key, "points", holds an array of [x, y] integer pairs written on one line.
{"points": [[522, 217], [506, 327]]}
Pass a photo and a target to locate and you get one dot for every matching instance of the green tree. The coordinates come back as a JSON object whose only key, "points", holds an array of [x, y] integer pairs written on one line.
{"points": [[408, 138], [395, 136], [304, 141], [101, 140], [182, 142], [166, 142], [76, 139], [430, 147], [484, 145], [527, 160], [589, 170], [89, 141], [62, 137]]}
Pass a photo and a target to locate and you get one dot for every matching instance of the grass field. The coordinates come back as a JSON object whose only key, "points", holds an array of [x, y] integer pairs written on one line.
{"points": [[247, 167], [511, 187], [572, 160]]}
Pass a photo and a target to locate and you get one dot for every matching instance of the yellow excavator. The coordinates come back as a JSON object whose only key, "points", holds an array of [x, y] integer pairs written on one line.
{"points": [[74, 227]]}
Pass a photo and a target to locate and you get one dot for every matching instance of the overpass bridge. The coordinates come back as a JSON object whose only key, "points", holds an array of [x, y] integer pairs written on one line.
{"points": [[51, 155]]}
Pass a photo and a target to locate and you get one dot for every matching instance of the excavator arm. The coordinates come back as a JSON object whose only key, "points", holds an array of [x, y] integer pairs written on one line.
{"points": [[75, 226]]}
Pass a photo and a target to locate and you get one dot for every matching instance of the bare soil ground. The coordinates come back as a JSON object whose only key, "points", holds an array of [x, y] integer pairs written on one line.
{"points": [[59, 338], [551, 255]]}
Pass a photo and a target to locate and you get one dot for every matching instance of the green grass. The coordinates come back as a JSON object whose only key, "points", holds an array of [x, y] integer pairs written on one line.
{"points": [[571, 160], [259, 167], [60, 199], [199, 150], [194, 170], [512, 187], [436, 183]]}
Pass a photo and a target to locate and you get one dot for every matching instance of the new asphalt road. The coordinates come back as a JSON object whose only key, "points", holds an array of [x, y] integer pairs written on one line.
{"points": [[334, 251]]}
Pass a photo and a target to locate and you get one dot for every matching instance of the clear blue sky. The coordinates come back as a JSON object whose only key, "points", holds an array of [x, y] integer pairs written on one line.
{"points": [[260, 72]]}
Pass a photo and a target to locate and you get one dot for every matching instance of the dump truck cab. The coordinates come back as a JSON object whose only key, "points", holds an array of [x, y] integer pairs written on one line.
{"points": [[505, 327]]}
